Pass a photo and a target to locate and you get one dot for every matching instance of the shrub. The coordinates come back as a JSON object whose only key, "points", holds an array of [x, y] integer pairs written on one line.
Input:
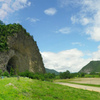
{"points": [[65, 75], [12, 72], [6, 74], [26, 74], [1, 72], [39, 76]]}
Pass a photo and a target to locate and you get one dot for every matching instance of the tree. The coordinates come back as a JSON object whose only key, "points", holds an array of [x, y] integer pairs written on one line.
{"points": [[99, 74], [93, 73], [82, 74], [11, 71], [6, 74], [65, 75], [1, 22]]}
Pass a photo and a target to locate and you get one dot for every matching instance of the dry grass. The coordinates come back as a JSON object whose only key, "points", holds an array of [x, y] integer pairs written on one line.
{"points": [[95, 81]]}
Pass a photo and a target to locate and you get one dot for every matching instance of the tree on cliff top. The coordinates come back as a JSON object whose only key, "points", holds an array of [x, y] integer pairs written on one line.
{"points": [[1, 22], [9, 30]]}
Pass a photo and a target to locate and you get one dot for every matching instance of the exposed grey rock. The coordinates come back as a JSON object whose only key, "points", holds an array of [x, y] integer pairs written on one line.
{"points": [[23, 54]]}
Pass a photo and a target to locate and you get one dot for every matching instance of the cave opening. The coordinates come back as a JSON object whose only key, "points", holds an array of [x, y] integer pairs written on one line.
{"points": [[12, 64]]}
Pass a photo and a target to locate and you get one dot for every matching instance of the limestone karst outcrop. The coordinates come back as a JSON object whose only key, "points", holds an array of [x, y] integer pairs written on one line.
{"points": [[22, 52]]}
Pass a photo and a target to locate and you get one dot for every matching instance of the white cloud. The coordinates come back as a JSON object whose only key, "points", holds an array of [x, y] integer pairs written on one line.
{"points": [[72, 60], [77, 43], [29, 4], [65, 30], [10, 6], [85, 21], [88, 15], [69, 2], [2, 14], [81, 19], [32, 19], [74, 19], [6, 7], [50, 11], [94, 33], [19, 4], [1, 0], [65, 60], [96, 55]]}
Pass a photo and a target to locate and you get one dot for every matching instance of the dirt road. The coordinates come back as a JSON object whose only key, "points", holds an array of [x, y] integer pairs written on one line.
{"points": [[90, 88]]}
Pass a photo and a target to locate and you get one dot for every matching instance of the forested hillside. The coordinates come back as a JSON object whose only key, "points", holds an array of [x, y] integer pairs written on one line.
{"points": [[93, 66], [51, 71]]}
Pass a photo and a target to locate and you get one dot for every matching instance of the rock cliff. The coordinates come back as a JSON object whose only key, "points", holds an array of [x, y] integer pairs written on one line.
{"points": [[22, 54]]}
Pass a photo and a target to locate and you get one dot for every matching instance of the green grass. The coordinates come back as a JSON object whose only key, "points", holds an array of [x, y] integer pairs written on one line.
{"points": [[64, 80], [28, 89], [94, 85], [92, 76]]}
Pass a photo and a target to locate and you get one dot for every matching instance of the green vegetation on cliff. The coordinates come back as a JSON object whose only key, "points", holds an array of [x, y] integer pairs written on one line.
{"points": [[1, 22], [8, 30], [93, 66]]}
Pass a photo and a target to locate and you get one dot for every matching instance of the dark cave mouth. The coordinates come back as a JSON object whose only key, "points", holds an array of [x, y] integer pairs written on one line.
{"points": [[11, 64]]}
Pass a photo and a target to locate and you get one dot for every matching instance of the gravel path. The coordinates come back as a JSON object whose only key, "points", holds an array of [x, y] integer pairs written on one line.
{"points": [[90, 88]]}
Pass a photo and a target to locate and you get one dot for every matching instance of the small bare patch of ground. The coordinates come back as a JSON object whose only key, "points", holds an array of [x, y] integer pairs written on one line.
{"points": [[10, 84]]}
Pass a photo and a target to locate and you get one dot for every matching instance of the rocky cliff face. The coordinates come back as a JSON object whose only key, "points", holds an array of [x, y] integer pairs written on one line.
{"points": [[23, 54]]}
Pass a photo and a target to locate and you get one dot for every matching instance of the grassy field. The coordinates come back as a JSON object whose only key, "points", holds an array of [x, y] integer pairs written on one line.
{"points": [[82, 81], [28, 89]]}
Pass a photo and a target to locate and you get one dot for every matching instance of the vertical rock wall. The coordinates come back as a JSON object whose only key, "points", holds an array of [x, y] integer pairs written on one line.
{"points": [[23, 54]]}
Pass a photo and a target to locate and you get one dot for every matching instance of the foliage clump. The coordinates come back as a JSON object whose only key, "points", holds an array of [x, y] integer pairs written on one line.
{"points": [[8, 30], [1, 22], [39, 76], [65, 75], [5, 73]]}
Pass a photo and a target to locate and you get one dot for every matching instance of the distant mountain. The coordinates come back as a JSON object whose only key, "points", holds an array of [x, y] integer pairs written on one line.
{"points": [[93, 66], [51, 71]]}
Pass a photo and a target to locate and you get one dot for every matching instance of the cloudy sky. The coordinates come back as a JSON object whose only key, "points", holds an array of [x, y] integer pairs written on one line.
{"points": [[67, 31]]}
